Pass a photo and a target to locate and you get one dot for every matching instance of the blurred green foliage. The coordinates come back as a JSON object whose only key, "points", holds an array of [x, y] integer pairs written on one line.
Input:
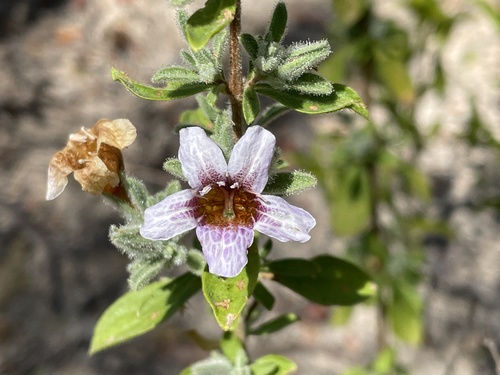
{"points": [[370, 172]]}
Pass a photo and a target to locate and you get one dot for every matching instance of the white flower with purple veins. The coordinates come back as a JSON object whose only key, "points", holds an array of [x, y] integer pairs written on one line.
{"points": [[225, 204]]}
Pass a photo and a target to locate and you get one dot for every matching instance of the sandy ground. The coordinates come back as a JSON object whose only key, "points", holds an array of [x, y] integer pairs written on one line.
{"points": [[58, 271]]}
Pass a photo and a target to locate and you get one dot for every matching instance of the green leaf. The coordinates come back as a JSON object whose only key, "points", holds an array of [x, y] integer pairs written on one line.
{"points": [[343, 97], [286, 183], [325, 280], [208, 21], [385, 361], [277, 27], [174, 167], [250, 44], [179, 3], [177, 74], [405, 313], [216, 364], [349, 12], [196, 261], [341, 315], [416, 182], [273, 364], [174, 91], [251, 105], [263, 296], [142, 271], [394, 74], [231, 345], [195, 117], [219, 42], [350, 200], [228, 296], [356, 371], [129, 241], [275, 324], [271, 113], [223, 133], [137, 192], [310, 83], [302, 57], [136, 313]]}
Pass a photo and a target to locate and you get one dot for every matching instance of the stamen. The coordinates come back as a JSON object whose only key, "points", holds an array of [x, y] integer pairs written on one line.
{"points": [[89, 134], [77, 137], [205, 190]]}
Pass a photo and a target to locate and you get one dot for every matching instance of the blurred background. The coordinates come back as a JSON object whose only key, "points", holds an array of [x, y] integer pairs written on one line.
{"points": [[413, 196]]}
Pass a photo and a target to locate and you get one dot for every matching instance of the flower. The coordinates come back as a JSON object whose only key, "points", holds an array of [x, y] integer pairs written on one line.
{"points": [[224, 203], [94, 156]]}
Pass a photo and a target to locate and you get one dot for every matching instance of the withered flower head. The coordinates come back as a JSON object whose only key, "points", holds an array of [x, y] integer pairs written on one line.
{"points": [[94, 156]]}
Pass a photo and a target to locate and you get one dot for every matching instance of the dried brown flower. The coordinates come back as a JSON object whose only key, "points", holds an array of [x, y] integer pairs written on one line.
{"points": [[94, 156]]}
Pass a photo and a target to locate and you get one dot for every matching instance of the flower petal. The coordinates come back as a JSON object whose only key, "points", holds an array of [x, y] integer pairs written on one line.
{"points": [[251, 157], [95, 176], [119, 133], [225, 248], [202, 160], [281, 220], [56, 182], [57, 175], [174, 215]]}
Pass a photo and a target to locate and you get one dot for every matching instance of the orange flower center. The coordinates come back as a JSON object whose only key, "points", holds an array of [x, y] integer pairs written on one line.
{"points": [[223, 206]]}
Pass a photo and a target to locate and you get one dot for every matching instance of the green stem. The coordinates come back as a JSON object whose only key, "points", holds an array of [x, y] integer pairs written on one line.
{"points": [[235, 73]]}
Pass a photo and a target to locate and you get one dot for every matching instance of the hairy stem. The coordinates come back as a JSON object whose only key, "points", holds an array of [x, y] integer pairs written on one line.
{"points": [[235, 72]]}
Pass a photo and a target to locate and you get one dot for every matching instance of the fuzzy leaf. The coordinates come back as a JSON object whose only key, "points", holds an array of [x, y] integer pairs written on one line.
{"points": [[325, 280], [142, 271], [177, 74], [250, 44], [196, 261], [174, 91], [287, 183], [188, 58], [343, 97], [219, 44], [136, 313], [309, 83], [303, 57], [273, 364], [129, 241], [223, 133], [137, 192], [207, 66], [208, 107], [228, 296], [277, 27], [251, 105], [275, 324], [174, 167], [208, 21]]}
